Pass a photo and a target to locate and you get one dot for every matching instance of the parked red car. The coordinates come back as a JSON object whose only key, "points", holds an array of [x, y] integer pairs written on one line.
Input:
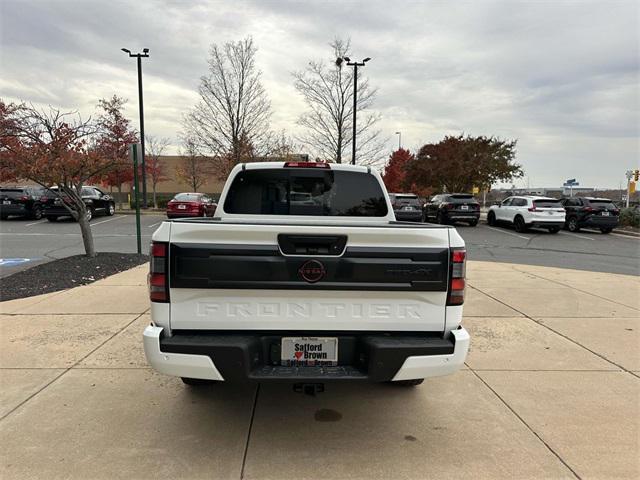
{"points": [[191, 205]]}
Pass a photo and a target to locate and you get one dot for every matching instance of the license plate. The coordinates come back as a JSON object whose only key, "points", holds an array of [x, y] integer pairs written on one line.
{"points": [[6, 202], [182, 207], [464, 207], [605, 214], [407, 208], [550, 212], [302, 351]]}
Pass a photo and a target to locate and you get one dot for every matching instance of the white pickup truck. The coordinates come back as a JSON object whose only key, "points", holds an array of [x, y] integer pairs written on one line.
{"points": [[305, 276]]}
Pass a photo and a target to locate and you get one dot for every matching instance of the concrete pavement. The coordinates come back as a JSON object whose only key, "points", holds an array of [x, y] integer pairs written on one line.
{"points": [[551, 389]]}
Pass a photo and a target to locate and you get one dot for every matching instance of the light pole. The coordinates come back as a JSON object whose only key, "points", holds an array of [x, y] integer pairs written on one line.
{"points": [[399, 140], [139, 57], [355, 66]]}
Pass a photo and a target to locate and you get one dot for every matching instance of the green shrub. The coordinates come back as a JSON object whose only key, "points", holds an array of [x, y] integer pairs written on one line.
{"points": [[630, 217]]}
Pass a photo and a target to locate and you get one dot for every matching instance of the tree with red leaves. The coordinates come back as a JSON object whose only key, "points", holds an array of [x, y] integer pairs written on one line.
{"points": [[113, 143], [393, 176], [53, 149], [459, 163]]}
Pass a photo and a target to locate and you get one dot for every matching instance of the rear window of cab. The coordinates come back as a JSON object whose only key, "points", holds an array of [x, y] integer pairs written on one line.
{"points": [[302, 191]]}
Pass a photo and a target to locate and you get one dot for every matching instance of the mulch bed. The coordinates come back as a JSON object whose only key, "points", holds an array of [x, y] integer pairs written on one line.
{"points": [[66, 273]]}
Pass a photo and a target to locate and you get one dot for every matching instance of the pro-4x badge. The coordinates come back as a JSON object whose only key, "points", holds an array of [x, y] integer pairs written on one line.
{"points": [[312, 271]]}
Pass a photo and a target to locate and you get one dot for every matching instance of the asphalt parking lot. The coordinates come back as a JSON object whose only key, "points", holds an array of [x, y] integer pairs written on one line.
{"points": [[550, 389], [27, 242]]}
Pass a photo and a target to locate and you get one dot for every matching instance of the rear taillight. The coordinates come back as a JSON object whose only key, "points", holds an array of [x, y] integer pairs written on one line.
{"points": [[24, 198], [457, 276], [44, 199], [532, 209], [158, 280], [587, 209], [448, 206]]}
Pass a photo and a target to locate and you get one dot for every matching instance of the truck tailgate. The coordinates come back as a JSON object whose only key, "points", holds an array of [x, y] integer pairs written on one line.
{"points": [[235, 276]]}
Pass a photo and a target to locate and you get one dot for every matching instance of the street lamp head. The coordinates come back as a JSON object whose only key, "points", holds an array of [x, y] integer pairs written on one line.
{"points": [[145, 50], [339, 61], [366, 59], [347, 59], [397, 133], [126, 50]]}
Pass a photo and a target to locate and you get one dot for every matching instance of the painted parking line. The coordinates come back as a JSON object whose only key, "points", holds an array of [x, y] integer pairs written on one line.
{"points": [[36, 223], [576, 235], [153, 225], [110, 220], [507, 233]]}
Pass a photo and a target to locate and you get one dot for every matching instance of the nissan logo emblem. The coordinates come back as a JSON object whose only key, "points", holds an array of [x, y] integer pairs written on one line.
{"points": [[312, 271]]}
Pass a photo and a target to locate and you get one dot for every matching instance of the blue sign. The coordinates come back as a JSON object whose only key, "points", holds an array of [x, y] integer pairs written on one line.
{"points": [[12, 262]]}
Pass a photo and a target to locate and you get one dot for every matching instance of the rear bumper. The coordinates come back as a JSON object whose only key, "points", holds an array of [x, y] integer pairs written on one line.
{"points": [[255, 357], [13, 209], [547, 223], [56, 211], [600, 222], [462, 216], [408, 216], [183, 214]]}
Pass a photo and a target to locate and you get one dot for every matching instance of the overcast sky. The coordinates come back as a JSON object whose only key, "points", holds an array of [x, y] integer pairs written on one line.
{"points": [[561, 77]]}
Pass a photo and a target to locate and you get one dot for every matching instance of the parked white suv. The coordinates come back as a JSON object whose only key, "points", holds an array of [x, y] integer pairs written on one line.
{"points": [[528, 211]]}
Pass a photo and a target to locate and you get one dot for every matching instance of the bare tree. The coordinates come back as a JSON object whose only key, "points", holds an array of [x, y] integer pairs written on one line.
{"points": [[282, 146], [234, 109], [155, 147], [327, 88], [193, 169]]}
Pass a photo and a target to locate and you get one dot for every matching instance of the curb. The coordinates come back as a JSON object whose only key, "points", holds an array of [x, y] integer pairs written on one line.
{"points": [[628, 233], [142, 212]]}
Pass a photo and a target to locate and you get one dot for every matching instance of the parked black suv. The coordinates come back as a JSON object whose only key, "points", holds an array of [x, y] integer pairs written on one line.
{"points": [[22, 202], [452, 207], [406, 207], [590, 212], [98, 203]]}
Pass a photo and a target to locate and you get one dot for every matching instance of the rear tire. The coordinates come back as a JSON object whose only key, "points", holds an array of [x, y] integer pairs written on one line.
{"points": [[52, 219], [111, 209], [196, 382], [4, 217], [606, 230], [36, 214], [473, 223], [519, 225], [409, 383], [491, 219], [572, 224], [440, 219], [554, 229]]}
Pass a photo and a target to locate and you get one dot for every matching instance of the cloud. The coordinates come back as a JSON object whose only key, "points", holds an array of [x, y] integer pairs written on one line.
{"points": [[560, 77]]}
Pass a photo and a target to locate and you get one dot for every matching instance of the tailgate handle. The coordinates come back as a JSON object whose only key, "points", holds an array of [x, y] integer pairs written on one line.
{"points": [[312, 244]]}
